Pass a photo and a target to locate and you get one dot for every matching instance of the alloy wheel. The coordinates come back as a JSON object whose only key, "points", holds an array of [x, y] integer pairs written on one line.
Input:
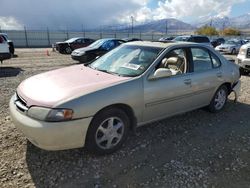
{"points": [[109, 133]]}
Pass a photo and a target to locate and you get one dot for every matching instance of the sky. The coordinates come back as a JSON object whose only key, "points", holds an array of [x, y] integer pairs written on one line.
{"points": [[78, 14]]}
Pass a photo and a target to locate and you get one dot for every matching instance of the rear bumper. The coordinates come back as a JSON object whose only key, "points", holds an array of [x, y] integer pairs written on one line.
{"points": [[236, 90], [51, 135], [82, 59]]}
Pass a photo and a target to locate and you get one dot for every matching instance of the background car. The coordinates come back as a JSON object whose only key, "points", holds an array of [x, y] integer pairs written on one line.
{"points": [[98, 48], [193, 38], [166, 39], [138, 82], [74, 43], [10, 42], [4, 49], [131, 39], [217, 42], [231, 46], [243, 58]]}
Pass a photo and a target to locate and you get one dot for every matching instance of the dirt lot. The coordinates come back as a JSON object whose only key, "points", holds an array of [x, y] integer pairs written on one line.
{"points": [[195, 149]]}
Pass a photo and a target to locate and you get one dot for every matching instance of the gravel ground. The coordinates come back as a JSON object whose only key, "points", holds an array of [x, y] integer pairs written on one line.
{"points": [[195, 149]]}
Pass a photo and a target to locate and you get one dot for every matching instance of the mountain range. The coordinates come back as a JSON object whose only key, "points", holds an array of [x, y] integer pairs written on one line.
{"points": [[240, 22], [174, 25]]}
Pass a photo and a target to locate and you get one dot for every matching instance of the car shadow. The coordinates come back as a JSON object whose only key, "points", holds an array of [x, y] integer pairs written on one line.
{"points": [[9, 71], [156, 144]]}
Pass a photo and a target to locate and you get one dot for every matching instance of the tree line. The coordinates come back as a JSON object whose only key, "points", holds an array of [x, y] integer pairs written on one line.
{"points": [[210, 31]]}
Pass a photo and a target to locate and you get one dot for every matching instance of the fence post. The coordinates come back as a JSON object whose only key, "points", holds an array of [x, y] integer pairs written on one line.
{"points": [[26, 37], [83, 31], [48, 36], [67, 33]]}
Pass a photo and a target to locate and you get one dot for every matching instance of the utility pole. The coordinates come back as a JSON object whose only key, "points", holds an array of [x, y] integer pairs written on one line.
{"points": [[166, 26], [132, 24], [211, 23], [83, 30]]}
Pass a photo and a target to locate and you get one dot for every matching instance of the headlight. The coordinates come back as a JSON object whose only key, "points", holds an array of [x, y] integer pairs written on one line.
{"points": [[39, 113], [59, 115], [48, 114], [242, 51]]}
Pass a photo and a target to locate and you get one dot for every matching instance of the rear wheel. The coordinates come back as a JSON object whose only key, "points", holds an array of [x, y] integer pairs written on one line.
{"points": [[108, 131], [219, 100]]}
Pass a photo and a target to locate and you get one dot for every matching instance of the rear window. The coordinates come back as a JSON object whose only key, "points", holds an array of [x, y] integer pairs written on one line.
{"points": [[201, 39]]}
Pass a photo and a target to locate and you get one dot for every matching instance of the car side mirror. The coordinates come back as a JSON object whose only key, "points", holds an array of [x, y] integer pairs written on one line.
{"points": [[160, 73]]}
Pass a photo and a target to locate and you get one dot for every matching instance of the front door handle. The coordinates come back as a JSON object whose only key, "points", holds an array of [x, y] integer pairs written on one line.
{"points": [[187, 81], [219, 74]]}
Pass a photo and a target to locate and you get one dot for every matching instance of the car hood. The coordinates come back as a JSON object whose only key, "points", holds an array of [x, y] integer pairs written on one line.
{"points": [[50, 88], [226, 45]]}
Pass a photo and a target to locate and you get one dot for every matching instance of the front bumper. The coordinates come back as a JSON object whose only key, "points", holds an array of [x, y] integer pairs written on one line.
{"points": [[51, 135], [4, 56], [224, 50], [244, 62]]}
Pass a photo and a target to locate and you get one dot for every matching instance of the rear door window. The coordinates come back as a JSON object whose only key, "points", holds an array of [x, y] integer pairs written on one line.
{"points": [[201, 39], [201, 60]]}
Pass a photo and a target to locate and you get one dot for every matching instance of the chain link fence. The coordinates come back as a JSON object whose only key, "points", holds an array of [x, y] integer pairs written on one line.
{"points": [[45, 38]]}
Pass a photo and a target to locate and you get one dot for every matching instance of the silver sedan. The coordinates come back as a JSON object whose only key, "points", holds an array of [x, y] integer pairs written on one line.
{"points": [[139, 82]]}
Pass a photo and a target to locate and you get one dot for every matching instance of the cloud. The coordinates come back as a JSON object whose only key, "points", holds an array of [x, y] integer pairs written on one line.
{"points": [[56, 14], [9, 23], [183, 9], [62, 14]]}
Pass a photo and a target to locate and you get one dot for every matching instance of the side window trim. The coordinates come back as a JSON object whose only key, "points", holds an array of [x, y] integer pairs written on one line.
{"points": [[216, 58]]}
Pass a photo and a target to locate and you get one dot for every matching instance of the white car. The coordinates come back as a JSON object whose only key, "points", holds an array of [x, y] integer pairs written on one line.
{"points": [[230, 46], [243, 58], [4, 49]]}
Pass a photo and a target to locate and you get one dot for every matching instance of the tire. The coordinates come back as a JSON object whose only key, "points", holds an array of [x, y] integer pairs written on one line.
{"points": [[219, 100], [107, 132], [233, 51], [68, 50], [243, 71]]}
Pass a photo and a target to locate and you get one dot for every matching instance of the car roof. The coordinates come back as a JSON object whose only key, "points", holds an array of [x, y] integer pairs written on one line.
{"points": [[162, 44], [192, 36]]}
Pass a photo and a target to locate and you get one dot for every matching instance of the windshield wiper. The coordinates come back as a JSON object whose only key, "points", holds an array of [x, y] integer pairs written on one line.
{"points": [[110, 72]]}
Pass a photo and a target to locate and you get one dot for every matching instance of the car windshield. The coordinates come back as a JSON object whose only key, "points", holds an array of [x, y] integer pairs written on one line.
{"points": [[70, 40], [98, 43], [127, 60], [181, 38]]}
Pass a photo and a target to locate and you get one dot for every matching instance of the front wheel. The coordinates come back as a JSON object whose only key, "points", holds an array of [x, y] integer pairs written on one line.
{"points": [[68, 50], [219, 100], [233, 51], [108, 131]]}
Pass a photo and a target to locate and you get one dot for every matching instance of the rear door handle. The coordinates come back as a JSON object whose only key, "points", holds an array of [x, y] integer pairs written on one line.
{"points": [[219, 74], [187, 81]]}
